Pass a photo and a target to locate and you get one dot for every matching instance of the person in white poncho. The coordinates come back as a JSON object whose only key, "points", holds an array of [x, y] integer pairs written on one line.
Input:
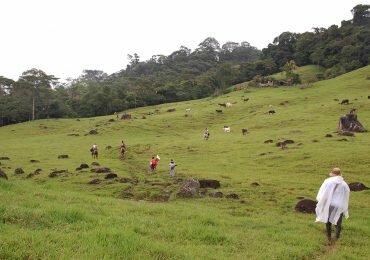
{"points": [[332, 204]]}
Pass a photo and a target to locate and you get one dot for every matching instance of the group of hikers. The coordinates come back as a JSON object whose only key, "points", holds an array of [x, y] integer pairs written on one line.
{"points": [[123, 149]]}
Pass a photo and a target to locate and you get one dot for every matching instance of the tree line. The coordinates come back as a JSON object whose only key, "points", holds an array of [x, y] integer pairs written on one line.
{"points": [[185, 74]]}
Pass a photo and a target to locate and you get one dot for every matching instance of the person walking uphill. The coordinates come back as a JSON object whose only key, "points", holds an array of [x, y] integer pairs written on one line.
{"points": [[172, 168], [333, 197]]}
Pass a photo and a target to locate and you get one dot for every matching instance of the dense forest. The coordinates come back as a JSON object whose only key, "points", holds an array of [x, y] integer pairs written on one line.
{"points": [[185, 74]]}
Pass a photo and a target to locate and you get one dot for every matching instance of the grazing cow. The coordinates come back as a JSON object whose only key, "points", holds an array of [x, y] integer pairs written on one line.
{"points": [[188, 109], [246, 99], [244, 131], [218, 110], [222, 104], [345, 102], [228, 104], [227, 129]]}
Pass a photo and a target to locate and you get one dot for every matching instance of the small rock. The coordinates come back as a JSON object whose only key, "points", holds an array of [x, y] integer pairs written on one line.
{"points": [[124, 180], [93, 132], [101, 170], [329, 135], [343, 140], [84, 166], [110, 176], [95, 164], [4, 158], [268, 141], [233, 196], [18, 171], [255, 184], [34, 161], [216, 195], [63, 156], [94, 181], [209, 184]]}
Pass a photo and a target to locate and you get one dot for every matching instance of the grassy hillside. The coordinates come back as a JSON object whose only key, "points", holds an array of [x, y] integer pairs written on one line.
{"points": [[306, 73], [66, 218]]}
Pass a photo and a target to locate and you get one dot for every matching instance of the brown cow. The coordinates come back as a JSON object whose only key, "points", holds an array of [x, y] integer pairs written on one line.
{"points": [[244, 131]]}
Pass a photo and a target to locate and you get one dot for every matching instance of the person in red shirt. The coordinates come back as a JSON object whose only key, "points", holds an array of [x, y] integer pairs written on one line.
{"points": [[154, 163]]}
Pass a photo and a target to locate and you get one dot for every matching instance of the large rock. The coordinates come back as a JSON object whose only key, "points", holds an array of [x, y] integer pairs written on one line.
{"points": [[209, 184], [189, 188], [357, 186], [350, 123], [110, 176], [306, 206], [101, 170]]}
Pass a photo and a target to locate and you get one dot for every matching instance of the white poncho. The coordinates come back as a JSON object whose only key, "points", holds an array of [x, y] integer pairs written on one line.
{"points": [[333, 192]]}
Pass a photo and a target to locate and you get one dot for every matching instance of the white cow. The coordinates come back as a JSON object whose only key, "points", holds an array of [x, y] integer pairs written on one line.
{"points": [[228, 104], [188, 109], [227, 129]]}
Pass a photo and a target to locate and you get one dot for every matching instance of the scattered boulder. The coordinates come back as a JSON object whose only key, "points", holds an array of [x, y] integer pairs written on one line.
{"points": [[78, 169], [189, 188], [84, 166], [4, 158], [34, 161], [63, 156], [56, 173], [101, 170], [126, 116], [357, 186], [110, 176], [94, 181], [255, 184], [349, 122], [233, 196], [329, 135], [306, 206], [36, 172], [209, 184], [95, 164], [217, 194], [18, 171], [268, 141], [3, 175], [93, 132], [345, 102]]}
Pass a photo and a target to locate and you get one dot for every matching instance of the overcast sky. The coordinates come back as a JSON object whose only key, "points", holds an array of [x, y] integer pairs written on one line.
{"points": [[64, 37]]}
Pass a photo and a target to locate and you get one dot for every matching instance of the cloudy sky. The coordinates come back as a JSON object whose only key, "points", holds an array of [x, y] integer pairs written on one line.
{"points": [[64, 37]]}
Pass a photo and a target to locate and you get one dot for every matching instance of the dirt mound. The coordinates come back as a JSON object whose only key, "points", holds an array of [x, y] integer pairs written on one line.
{"points": [[101, 170], [255, 184], [95, 164], [189, 188], [18, 171], [329, 135], [216, 195], [63, 156], [306, 206], [209, 184], [126, 116], [94, 181], [268, 141], [233, 196], [4, 158], [357, 186], [34, 161], [110, 176], [3, 175]]}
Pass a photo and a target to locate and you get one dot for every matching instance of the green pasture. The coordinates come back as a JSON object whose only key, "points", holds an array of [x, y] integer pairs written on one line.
{"points": [[144, 218]]}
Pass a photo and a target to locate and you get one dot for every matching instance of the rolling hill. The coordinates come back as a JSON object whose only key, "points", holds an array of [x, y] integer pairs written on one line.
{"points": [[139, 215]]}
